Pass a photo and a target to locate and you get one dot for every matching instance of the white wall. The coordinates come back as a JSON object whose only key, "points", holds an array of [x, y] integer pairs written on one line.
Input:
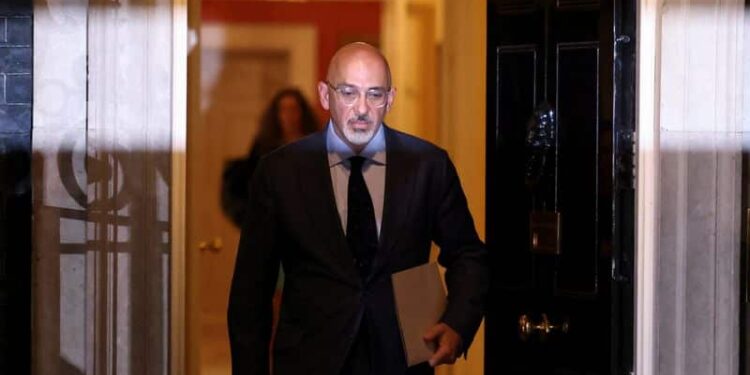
{"points": [[102, 142]]}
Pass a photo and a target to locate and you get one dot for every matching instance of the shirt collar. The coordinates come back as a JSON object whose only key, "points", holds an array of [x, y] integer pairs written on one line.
{"points": [[338, 151]]}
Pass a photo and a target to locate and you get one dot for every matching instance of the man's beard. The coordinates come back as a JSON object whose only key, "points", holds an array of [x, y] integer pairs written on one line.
{"points": [[359, 137], [356, 136]]}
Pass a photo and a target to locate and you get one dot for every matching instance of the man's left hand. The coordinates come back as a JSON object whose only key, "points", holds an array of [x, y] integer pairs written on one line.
{"points": [[447, 344]]}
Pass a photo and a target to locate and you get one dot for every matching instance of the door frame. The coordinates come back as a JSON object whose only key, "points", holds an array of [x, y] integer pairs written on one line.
{"points": [[647, 187], [182, 69]]}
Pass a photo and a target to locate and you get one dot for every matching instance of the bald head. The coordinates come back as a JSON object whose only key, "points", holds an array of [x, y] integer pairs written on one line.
{"points": [[357, 92], [358, 53]]}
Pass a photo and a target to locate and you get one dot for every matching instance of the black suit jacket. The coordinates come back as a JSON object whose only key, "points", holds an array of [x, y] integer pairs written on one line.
{"points": [[293, 220]]}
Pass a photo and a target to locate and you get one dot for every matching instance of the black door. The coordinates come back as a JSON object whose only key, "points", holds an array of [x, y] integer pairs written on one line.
{"points": [[560, 120]]}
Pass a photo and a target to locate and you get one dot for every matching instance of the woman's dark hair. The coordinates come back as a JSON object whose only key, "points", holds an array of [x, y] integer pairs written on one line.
{"points": [[238, 172], [269, 134]]}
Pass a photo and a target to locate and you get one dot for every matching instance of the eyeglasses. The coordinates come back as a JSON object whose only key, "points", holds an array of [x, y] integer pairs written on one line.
{"points": [[376, 97]]}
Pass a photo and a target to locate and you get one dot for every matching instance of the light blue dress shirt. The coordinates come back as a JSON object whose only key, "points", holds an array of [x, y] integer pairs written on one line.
{"points": [[373, 171]]}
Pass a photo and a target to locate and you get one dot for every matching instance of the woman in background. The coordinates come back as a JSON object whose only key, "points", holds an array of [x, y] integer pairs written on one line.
{"points": [[287, 118]]}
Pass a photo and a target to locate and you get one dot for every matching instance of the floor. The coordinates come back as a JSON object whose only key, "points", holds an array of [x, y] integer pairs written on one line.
{"points": [[215, 358], [215, 355]]}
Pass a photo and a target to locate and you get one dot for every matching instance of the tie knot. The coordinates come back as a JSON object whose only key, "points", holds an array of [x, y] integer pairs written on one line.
{"points": [[356, 163]]}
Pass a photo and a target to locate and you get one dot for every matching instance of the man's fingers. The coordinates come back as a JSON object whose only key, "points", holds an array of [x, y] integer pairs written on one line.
{"points": [[447, 342], [442, 355]]}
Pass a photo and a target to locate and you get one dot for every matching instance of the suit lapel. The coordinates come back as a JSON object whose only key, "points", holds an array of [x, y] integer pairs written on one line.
{"points": [[314, 179], [399, 187]]}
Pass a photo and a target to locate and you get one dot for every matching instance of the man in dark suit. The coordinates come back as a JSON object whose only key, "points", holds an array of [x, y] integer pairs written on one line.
{"points": [[342, 210]]}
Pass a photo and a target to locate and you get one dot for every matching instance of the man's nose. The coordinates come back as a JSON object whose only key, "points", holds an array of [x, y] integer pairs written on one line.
{"points": [[361, 105]]}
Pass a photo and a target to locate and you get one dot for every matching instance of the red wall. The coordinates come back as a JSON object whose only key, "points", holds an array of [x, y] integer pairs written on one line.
{"points": [[337, 22]]}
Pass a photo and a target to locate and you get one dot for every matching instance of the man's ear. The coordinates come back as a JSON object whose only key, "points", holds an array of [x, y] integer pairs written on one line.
{"points": [[323, 95], [391, 98]]}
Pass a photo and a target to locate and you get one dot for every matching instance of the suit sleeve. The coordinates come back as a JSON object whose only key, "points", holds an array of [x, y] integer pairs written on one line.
{"points": [[256, 270], [463, 255]]}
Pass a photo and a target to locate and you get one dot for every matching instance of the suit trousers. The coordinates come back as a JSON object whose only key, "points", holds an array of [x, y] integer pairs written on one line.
{"points": [[359, 361]]}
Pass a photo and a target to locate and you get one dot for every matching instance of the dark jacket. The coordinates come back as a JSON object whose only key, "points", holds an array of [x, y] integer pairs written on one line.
{"points": [[235, 182], [293, 221]]}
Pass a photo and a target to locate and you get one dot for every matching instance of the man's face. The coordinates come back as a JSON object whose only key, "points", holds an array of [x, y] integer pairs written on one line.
{"points": [[361, 75]]}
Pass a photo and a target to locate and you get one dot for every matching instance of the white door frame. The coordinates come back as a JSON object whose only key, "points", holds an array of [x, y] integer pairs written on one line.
{"points": [[183, 41], [647, 225]]}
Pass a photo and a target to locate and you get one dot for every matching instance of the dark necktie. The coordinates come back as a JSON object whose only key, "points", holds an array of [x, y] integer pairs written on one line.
{"points": [[361, 232]]}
